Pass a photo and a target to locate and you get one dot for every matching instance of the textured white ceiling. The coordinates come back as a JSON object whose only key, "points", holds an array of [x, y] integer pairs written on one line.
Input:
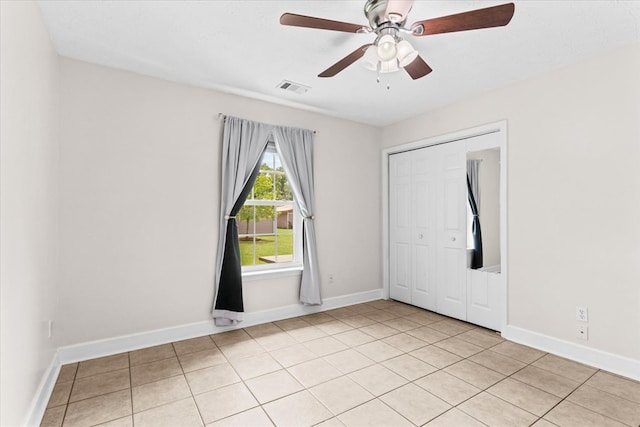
{"points": [[240, 47]]}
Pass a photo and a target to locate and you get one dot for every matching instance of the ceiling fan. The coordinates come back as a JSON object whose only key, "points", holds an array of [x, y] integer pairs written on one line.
{"points": [[390, 52]]}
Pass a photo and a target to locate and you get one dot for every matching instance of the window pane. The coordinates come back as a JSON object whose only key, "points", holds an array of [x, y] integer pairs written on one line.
{"points": [[269, 160], [267, 240], [265, 223]]}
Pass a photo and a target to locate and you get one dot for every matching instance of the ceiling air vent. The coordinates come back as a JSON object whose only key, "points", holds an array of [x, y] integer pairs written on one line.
{"points": [[293, 87]]}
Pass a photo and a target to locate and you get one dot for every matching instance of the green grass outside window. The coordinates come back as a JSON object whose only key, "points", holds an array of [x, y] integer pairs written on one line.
{"points": [[266, 246]]}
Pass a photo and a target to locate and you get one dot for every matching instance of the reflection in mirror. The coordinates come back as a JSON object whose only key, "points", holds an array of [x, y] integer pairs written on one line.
{"points": [[483, 210]]}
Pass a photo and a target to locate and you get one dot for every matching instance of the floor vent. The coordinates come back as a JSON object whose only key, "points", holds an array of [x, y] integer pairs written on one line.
{"points": [[293, 87]]}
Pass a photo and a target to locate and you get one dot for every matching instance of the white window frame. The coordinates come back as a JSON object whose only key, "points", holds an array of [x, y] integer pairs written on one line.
{"points": [[279, 268]]}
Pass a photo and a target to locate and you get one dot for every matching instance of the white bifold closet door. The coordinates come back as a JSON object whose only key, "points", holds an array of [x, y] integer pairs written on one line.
{"points": [[427, 228], [412, 215], [428, 234], [451, 199]]}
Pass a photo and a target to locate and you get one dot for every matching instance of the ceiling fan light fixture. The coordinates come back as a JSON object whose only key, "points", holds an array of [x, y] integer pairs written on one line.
{"points": [[370, 58], [389, 66], [387, 48], [406, 53]]}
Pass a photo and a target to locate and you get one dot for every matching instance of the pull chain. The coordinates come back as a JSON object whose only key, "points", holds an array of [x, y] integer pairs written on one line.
{"points": [[378, 76]]}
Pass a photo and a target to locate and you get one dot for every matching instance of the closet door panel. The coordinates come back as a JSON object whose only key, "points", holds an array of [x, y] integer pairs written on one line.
{"points": [[485, 298], [451, 223], [400, 233], [401, 290], [452, 280], [424, 230]]}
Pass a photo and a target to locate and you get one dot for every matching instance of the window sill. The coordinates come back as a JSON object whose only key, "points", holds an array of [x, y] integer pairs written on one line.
{"points": [[272, 274]]}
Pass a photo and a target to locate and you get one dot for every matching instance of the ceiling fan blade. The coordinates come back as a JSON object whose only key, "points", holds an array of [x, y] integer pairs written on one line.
{"points": [[323, 24], [495, 16], [397, 10], [417, 68], [344, 62]]}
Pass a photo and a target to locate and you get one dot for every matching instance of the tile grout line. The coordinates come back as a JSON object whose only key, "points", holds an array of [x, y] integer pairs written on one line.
{"points": [[130, 386], [66, 406], [193, 399], [456, 406], [589, 409]]}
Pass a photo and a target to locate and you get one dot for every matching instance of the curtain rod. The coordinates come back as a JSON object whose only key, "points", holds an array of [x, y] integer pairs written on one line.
{"points": [[223, 117]]}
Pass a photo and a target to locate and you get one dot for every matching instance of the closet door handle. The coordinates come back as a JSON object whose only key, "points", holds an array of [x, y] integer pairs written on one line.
{"points": [[420, 236], [453, 239]]}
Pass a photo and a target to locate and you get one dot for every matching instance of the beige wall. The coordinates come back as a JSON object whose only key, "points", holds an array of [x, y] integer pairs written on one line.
{"points": [[28, 205], [140, 184], [573, 194]]}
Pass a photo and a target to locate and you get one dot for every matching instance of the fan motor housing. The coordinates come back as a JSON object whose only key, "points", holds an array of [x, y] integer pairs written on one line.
{"points": [[376, 13]]}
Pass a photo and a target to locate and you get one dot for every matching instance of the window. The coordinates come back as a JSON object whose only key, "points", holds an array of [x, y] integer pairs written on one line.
{"points": [[269, 221]]}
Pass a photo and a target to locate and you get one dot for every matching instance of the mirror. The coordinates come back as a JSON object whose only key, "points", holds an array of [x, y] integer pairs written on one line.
{"points": [[483, 238]]}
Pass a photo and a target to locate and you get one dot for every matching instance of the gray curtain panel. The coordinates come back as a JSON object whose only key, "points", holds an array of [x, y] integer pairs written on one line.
{"points": [[243, 144], [295, 147], [472, 171], [473, 193]]}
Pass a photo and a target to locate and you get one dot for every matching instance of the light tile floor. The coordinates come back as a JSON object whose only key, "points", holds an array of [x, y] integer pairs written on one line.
{"points": [[375, 364]]}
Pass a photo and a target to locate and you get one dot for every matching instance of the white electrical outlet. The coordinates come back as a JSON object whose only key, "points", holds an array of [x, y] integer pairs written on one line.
{"points": [[582, 314], [331, 278], [583, 332], [50, 328]]}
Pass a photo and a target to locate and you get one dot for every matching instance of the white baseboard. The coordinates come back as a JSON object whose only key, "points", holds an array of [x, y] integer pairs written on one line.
{"points": [[620, 365], [41, 398], [109, 346]]}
